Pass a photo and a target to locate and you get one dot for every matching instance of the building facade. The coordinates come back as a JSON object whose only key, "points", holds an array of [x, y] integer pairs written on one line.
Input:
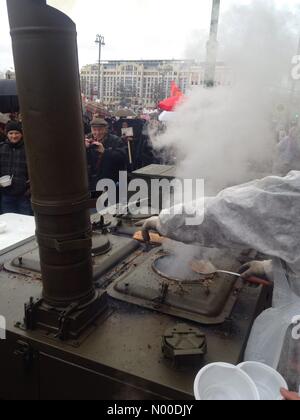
{"points": [[144, 83]]}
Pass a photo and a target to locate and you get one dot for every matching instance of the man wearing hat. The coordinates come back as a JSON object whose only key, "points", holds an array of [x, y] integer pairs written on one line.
{"points": [[15, 197], [106, 154]]}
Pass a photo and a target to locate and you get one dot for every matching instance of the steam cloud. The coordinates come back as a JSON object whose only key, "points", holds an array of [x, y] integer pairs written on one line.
{"points": [[65, 6], [225, 135]]}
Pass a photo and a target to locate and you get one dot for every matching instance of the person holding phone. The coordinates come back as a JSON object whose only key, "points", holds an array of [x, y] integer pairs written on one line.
{"points": [[106, 154]]}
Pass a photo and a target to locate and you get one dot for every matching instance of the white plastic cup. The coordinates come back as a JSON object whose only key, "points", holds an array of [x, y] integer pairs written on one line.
{"points": [[6, 181], [224, 382], [267, 380]]}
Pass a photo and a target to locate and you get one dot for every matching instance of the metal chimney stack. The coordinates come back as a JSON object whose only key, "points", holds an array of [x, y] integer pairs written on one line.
{"points": [[47, 73]]}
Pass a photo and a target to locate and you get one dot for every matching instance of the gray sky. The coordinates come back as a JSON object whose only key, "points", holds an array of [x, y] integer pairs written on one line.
{"points": [[133, 29]]}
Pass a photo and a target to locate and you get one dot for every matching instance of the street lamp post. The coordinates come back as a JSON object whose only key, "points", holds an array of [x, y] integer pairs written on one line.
{"points": [[100, 42], [212, 46]]}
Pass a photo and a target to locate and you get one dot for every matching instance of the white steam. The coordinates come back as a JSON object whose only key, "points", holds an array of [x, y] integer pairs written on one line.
{"points": [[225, 135], [65, 6]]}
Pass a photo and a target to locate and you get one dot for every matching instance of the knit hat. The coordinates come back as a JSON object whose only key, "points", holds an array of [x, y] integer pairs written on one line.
{"points": [[13, 126], [99, 122]]}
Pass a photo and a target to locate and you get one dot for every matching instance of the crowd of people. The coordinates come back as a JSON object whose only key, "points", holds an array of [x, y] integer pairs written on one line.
{"points": [[109, 150], [112, 145]]}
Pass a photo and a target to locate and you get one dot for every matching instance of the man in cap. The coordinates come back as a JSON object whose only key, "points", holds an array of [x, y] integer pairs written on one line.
{"points": [[106, 154], [15, 198]]}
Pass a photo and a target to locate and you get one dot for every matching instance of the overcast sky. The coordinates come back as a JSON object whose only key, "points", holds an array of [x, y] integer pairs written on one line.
{"points": [[133, 29]]}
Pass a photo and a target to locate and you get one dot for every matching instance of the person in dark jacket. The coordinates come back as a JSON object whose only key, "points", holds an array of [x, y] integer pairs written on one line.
{"points": [[16, 197], [106, 154]]}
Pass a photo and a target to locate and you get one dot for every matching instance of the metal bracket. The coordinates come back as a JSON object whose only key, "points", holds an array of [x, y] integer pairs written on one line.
{"points": [[64, 321], [65, 245], [183, 343], [30, 313], [101, 226]]}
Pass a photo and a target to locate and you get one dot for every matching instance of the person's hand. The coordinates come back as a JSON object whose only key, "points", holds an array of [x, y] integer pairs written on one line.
{"points": [[289, 396], [100, 147], [147, 226], [260, 269]]}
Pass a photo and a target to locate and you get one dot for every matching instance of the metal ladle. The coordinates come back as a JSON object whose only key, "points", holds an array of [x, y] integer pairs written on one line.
{"points": [[207, 269]]}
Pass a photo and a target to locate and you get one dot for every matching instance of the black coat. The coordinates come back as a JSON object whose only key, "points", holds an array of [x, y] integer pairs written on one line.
{"points": [[145, 154], [108, 165], [2, 137], [13, 163]]}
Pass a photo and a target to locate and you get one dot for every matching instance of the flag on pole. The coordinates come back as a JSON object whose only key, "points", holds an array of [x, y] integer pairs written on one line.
{"points": [[170, 103]]}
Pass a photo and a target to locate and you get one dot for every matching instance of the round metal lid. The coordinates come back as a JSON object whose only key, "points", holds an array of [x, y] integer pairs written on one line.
{"points": [[101, 245]]}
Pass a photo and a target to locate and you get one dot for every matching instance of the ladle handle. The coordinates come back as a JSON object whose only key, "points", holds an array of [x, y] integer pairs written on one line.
{"points": [[229, 272], [253, 280], [261, 282]]}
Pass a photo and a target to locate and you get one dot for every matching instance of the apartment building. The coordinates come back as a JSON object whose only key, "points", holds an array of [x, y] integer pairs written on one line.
{"points": [[145, 82]]}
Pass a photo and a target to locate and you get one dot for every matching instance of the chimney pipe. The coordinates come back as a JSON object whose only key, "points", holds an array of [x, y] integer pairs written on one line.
{"points": [[47, 73]]}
